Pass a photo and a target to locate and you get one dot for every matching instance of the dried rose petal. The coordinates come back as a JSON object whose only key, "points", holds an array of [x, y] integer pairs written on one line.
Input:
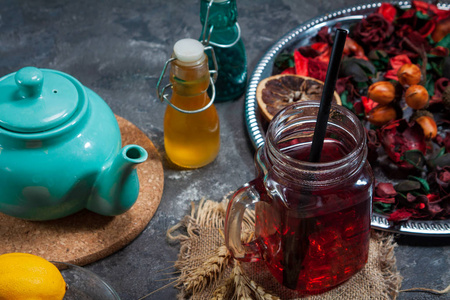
{"points": [[310, 67], [428, 28], [324, 36], [409, 13], [323, 51], [445, 177], [385, 190], [439, 87], [345, 84], [384, 200], [368, 104], [426, 9], [424, 206], [418, 40], [388, 11], [440, 51], [431, 10], [317, 69], [444, 142], [439, 179], [399, 136], [385, 193], [372, 144], [373, 31], [290, 70], [396, 63], [372, 139], [401, 214]]}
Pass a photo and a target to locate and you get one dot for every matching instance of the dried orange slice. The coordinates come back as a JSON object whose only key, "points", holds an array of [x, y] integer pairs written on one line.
{"points": [[278, 91]]}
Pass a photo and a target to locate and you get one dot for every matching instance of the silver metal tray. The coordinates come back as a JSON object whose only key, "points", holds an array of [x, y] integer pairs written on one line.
{"points": [[300, 36]]}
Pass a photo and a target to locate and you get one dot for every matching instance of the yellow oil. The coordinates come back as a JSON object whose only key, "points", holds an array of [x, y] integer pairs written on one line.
{"points": [[191, 140]]}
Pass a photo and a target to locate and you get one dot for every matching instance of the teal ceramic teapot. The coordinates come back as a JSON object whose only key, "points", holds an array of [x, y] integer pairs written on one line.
{"points": [[60, 149]]}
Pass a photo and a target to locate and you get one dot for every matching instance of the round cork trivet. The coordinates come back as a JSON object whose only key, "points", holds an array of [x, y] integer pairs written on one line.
{"points": [[85, 237]]}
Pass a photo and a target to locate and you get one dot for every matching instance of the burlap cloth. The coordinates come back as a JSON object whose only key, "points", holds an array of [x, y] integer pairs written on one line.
{"points": [[208, 272]]}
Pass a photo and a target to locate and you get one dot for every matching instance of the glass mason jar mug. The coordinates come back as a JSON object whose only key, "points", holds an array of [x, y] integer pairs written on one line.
{"points": [[312, 219]]}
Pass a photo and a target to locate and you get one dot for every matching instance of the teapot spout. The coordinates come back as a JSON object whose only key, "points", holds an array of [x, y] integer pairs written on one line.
{"points": [[117, 186]]}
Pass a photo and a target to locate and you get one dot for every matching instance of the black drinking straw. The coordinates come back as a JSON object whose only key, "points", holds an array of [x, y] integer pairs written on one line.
{"points": [[327, 95], [295, 245]]}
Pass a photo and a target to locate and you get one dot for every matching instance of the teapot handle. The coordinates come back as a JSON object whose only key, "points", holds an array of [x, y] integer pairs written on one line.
{"points": [[248, 194]]}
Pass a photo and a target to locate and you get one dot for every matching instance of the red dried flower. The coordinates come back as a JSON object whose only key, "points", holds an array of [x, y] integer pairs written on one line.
{"points": [[319, 51], [430, 10], [444, 142], [368, 104], [399, 136], [424, 26], [396, 63], [372, 144], [425, 8], [439, 179], [317, 69], [422, 207], [440, 51], [428, 28], [388, 11], [344, 84], [312, 67], [290, 70], [445, 177], [428, 206], [385, 193], [323, 36], [439, 87], [301, 64], [401, 214], [373, 32]]}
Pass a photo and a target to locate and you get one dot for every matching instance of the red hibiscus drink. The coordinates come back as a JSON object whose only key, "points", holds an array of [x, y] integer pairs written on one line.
{"points": [[312, 219]]}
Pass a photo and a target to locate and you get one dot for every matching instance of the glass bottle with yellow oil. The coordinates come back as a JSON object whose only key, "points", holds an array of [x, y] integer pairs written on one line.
{"points": [[191, 122]]}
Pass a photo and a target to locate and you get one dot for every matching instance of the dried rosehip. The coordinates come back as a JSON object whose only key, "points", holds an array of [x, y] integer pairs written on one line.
{"points": [[409, 74], [416, 96], [420, 113], [382, 92], [446, 97], [381, 115], [428, 125]]}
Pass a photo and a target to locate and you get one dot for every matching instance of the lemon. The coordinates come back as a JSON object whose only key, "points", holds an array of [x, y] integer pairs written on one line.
{"points": [[29, 277]]}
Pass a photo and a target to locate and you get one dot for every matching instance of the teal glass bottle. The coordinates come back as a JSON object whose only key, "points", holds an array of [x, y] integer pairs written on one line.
{"points": [[222, 32]]}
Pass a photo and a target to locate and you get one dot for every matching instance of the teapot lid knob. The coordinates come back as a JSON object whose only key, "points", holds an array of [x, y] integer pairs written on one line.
{"points": [[30, 81]]}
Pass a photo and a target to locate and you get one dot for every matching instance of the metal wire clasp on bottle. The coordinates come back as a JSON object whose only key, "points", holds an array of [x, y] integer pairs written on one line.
{"points": [[207, 41], [164, 97]]}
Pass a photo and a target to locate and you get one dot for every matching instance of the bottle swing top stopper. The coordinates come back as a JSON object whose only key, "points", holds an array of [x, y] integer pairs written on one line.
{"points": [[188, 50]]}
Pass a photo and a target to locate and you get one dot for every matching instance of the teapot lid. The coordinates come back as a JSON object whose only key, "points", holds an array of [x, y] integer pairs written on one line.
{"points": [[28, 104]]}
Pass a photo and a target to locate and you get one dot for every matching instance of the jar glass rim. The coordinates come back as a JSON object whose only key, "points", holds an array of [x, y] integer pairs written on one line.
{"points": [[296, 109]]}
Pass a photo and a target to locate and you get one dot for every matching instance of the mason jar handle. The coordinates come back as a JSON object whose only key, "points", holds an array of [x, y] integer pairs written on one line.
{"points": [[248, 194]]}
